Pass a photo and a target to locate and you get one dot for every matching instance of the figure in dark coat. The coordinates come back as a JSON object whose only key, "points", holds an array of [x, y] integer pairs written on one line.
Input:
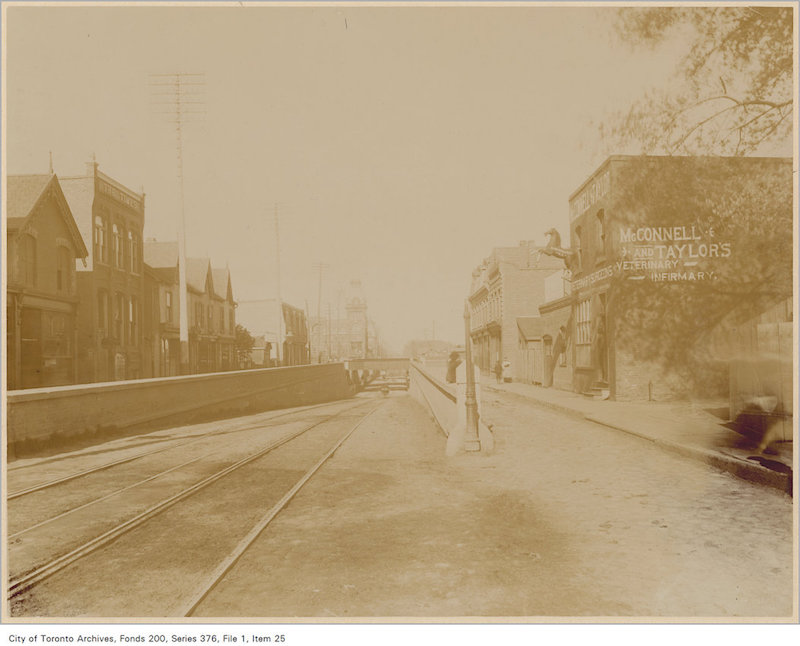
{"points": [[452, 363]]}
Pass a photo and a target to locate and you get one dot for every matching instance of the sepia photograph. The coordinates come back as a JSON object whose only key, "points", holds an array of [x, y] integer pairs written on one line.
{"points": [[397, 313]]}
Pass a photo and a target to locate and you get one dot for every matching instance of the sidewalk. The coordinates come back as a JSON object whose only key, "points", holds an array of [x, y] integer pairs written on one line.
{"points": [[688, 428]]}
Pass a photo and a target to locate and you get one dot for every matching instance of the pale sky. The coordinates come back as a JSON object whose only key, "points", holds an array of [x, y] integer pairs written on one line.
{"points": [[401, 144]]}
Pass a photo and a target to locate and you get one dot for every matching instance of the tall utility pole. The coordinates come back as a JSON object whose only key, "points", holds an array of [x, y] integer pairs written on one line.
{"points": [[471, 437], [279, 304], [178, 90], [320, 267], [339, 324], [329, 331]]}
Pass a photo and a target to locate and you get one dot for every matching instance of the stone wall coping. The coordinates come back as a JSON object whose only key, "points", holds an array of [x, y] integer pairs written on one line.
{"points": [[55, 392]]}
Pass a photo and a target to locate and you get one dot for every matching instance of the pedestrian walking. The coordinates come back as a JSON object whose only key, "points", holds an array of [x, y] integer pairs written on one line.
{"points": [[498, 371], [452, 363]]}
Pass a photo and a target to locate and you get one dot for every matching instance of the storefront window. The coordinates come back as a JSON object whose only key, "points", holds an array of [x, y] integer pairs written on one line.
{"points": [[583, 333], [56, 348]]}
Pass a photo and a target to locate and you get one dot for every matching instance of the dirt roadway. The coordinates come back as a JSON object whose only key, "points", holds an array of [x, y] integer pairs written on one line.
{"points": [[565, 519]]}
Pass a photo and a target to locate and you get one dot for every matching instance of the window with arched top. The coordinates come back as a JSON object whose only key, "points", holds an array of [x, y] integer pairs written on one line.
{"points": [[116, 237], [100, 242], [580, 243], [135, 254], [601, 233], [128, 255]]}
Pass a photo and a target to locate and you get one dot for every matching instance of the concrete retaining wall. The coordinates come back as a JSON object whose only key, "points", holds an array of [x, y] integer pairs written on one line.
{"points": [[440, 399], [45, 418]]}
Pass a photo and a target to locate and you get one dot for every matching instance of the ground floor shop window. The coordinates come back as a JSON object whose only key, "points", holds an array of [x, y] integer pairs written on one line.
{"points": [[583, 334]]}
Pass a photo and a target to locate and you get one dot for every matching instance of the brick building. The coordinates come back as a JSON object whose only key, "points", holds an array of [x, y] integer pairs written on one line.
{"points": [[508, 284], [211, 311], [43, 244], [662, 250], [110, 285]]}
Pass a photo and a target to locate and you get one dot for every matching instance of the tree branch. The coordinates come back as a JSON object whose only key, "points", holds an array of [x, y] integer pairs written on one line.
{"points": [[700, 124]]}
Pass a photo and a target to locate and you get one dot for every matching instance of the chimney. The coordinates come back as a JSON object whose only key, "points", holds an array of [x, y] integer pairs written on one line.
{"points": [[91, 167]]}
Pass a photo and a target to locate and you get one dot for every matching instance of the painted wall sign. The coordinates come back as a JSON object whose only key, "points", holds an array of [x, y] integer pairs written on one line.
{"points": [[669, 253], [118, 195], [594, 277], [596, 189]]}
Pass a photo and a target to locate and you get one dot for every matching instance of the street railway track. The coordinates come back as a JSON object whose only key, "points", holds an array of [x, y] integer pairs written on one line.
{"points": [[155, 476], [26, 580], [108, 465], [227, 564]]}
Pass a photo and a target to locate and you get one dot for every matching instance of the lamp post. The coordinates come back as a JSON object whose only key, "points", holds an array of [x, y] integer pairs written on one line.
{"points": [[471, 441]]}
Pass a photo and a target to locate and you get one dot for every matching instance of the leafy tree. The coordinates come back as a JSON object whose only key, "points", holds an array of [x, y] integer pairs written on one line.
{"points": [[732, 92], [244, 341], [745, 204]]}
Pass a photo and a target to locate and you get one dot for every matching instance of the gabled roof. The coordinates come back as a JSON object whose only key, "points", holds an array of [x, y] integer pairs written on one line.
{"points": [[198, 275], [531, 327], [79, 192], [164, 256], [222, 282], [168, 275], [160, 255], [25, 192]]}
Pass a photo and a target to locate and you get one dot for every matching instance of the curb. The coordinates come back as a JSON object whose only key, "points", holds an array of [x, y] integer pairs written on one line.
{"points": [[738, 467]]}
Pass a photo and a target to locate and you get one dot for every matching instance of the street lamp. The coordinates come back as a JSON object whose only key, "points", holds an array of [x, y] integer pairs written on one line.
{"points": [[471, 441]]}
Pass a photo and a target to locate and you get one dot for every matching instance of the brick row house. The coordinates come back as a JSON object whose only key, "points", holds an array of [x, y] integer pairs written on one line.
{"points": [[43, 244], [211, 312], [83, 306], [110, 285]]}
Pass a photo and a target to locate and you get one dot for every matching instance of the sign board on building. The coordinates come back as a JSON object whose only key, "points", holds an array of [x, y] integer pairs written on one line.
{"points": [[592, 192]]}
